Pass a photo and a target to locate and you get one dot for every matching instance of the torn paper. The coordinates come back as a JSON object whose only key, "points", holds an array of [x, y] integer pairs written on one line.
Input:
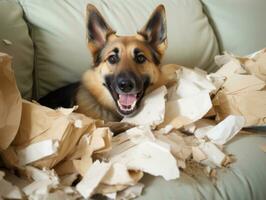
{"points": [[37, 151], [214, 154], [10, 101], [198, 155], [61, 129], [178, 146], [92, 178], [187, 110], [200, 127], [150, 114], [33, 112], [240, 104], [131, 192], [146, 155], [43, 181], [120, 175], [191, 82], [255, 63], [226, 129], [8, 190], [240, 90]]}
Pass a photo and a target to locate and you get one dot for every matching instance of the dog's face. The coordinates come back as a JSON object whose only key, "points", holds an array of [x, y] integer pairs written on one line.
{"points": [[125, 67]]}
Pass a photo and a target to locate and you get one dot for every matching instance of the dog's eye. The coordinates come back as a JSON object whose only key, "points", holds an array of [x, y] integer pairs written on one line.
{"points": [[140, 59], [113, 59]]}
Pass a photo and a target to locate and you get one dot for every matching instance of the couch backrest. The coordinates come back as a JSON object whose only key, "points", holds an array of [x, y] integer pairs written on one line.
{"points": [[58, 32], [239, 24], [15, 41]]}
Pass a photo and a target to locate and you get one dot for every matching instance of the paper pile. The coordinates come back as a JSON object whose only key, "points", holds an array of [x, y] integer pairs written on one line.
{"points": [[244, 86], [60, 154], [10, 103]]}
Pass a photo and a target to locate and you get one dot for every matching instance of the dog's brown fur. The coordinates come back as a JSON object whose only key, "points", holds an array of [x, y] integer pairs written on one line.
{"points": [[93, 97]]}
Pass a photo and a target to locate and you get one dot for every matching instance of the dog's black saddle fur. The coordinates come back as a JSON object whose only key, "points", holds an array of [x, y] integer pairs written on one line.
{"points": [[62, 97]]}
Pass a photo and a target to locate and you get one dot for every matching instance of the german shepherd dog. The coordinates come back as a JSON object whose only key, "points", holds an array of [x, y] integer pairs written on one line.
{"points": [[125, 69]]}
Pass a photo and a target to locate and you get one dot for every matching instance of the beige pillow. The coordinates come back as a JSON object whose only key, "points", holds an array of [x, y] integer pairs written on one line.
{"points": [[15, 41], [58, 31]]}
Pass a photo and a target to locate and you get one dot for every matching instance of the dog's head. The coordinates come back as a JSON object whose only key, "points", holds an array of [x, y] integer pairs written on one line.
{"points": [[125, 67]]}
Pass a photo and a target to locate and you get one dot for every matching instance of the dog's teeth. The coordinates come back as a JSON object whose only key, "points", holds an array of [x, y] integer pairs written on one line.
{"points": [[129, 108]]}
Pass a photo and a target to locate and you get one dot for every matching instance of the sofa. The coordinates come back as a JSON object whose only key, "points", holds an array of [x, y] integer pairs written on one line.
{"points": [[47, 41]]}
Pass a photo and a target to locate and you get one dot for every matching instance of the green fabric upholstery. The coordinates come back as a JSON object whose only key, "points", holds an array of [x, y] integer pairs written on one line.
{"points": [[14, 29], [239, 24], [244, 180]]}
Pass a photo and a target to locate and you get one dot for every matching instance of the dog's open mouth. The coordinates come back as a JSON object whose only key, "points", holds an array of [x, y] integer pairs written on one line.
{"points": [[127, 103]]}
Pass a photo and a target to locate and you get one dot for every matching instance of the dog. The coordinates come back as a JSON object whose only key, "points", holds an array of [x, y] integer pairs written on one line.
{"points": [[125, 69]]}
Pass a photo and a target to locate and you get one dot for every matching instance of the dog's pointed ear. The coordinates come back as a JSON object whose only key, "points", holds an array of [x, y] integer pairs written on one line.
{"points": [[155, 31], [97, 30]]}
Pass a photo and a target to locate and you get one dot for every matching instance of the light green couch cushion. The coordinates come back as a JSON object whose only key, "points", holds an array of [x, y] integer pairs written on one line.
{"points": [[244, 180], [14, 29], [239, 24], [58, 32]]}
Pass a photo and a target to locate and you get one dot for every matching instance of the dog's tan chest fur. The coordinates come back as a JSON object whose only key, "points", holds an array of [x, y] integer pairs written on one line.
{"points": [[89, 106]]}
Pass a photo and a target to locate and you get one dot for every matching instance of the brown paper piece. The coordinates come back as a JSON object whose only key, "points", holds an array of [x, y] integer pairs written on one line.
{"points": [[241, 90], [8, 190], [10, 101], [240, 104], [198, 154], [10, 158], [30, 126], [101, 140], [68, 138], [118, 127], [68, 180], [79, 161], [65, 168], [82, 165], [242, 83], [61, 126], [255, 64]]}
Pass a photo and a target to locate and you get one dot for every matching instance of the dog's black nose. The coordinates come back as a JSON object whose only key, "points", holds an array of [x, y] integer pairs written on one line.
{"points": [[125, 84]]}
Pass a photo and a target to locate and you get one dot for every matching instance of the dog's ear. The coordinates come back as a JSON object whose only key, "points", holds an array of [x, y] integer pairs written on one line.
{"points": [[155, 31], [97, 31]]}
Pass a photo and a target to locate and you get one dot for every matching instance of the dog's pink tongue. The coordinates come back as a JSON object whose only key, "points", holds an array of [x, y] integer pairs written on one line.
{"points": [[127, 99]]}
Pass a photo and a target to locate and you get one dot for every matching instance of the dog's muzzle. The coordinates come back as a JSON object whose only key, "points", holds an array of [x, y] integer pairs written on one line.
{"points": [[127, 90]]}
